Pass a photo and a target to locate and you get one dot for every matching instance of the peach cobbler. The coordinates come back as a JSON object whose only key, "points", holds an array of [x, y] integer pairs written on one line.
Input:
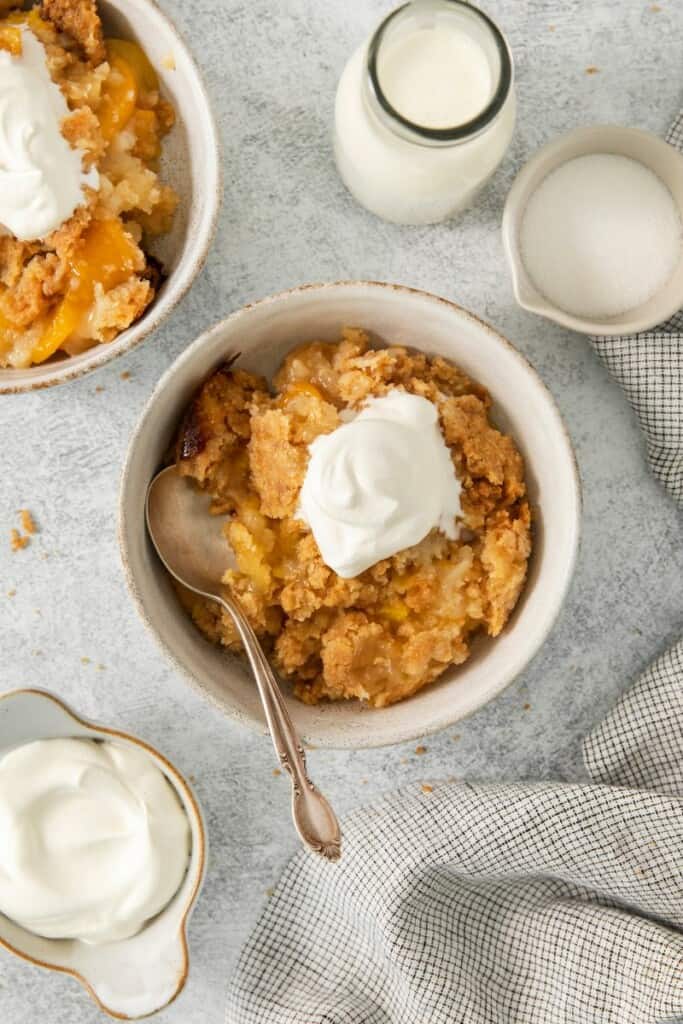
{"points": [[384, 633], [81, 126]]}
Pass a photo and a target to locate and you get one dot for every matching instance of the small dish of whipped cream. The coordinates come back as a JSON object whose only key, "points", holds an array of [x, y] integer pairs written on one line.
{"points": [[379, 483], [93, 839]]}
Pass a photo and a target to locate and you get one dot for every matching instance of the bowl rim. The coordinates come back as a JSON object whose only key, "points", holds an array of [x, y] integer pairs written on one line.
{"points": [[439, 722], [515, 204], [179, 782], [59, 372]]}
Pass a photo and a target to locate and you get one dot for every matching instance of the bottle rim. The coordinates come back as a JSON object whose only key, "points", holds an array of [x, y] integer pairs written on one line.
{"points": [[421, 134]]}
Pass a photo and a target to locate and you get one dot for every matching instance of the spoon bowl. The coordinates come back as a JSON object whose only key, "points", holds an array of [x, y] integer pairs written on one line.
{"points": [[189, 540]]}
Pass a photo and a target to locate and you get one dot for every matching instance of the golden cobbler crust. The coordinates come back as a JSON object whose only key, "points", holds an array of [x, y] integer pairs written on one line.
{"points": [[81, 21], [121, 137], [386, 633]]}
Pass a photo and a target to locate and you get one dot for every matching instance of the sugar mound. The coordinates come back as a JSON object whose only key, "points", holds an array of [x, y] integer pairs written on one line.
{"points": [[600, 235]]}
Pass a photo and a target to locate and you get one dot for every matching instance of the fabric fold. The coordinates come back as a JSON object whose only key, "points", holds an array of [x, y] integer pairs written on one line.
{"points": [[495, 904], [491, 904]]}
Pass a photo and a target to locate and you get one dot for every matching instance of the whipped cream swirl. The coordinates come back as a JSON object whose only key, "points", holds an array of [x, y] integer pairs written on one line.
{"points": [[379, 483], [41, 176], [93, 839]]}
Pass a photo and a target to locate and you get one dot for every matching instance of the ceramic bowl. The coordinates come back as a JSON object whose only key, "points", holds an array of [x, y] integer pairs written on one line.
{"points": [[264, 333], [137, 976], [190, 163], [647, 149]]}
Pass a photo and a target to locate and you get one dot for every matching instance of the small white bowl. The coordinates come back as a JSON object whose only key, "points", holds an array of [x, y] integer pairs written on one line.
{"points": [[647, 149], [190, 162], [137, 976], [264, 333]]}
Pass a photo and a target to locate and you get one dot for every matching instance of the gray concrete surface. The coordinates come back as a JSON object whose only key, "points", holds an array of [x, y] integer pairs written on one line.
{"points": [[271, 70]]}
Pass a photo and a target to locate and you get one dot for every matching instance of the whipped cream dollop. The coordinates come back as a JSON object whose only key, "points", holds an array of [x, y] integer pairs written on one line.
{"points": [[379, 483], [41, 176], [93, 839]]}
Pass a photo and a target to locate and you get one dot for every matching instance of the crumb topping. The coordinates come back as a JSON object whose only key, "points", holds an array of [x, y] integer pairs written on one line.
{"points": [[80, 20], [380, 636]]}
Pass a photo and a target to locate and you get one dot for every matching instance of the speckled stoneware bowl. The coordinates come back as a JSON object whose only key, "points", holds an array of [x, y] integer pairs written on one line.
{"points": [[134, 977], [264, 333], [190, 162], [647, 149]]}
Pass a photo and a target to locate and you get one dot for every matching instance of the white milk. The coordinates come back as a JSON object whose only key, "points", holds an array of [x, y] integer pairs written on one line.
{"points": [[438, 76], [416, 144]]}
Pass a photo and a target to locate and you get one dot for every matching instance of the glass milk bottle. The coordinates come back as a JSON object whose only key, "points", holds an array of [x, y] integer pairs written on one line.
{"points": [[425, 111]]}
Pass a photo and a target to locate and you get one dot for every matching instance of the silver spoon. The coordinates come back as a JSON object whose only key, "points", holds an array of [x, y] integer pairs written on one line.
{"points": [[191, 544]]}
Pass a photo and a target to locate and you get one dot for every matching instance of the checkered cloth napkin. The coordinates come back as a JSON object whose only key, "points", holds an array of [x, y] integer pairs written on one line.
{"points": [[507, 904], [547, 903]]}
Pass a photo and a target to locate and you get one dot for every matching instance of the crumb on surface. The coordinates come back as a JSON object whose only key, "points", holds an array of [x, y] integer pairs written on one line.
{"points": [[100, 667], [99, 389], [426, 788], [456, 737], [420, 750], [526, 707], [125, 375], [276, 771], [85, 661], [28, 523], [269, 892], [11, 593], [655, 8], [17, 542], [551, 28], [168, 62], [592, 70]]}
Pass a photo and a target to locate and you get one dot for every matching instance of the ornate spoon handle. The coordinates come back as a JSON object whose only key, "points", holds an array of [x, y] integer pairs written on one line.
{"points": [[314, 819]]}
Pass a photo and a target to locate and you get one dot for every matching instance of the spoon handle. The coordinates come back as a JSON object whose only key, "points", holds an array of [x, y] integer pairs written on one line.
{"points": [[314, 819]]}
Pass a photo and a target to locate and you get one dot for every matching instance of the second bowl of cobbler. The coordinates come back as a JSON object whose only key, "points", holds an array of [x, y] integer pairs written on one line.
{"points": [[400, 495], [108, 207]]}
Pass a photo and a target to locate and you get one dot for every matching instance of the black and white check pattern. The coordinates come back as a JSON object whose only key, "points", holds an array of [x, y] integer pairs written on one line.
{"points": [[546, 903], [495, 904], [507, 904]]}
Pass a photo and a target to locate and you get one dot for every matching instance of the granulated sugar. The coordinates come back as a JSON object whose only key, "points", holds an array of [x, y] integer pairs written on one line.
{"points": [[600, 235]]}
